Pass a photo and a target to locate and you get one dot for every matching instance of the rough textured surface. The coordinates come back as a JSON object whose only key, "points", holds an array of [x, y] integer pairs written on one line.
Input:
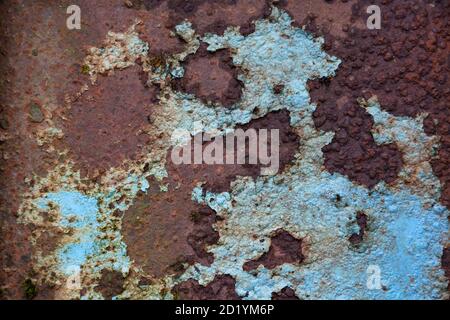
{"points": [[105, 126], [221, 288], [169, 225], [285, 294], [97, 209], [211, 77], [284, 248], [216, 15], [111, 284], [384, 63]]}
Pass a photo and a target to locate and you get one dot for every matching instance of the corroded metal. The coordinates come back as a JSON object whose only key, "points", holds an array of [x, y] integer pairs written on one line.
{"points": [[92, 206]]}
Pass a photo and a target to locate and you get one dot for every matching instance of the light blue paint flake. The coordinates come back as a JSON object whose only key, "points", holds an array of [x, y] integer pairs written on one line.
{"points": [[80, 214]]}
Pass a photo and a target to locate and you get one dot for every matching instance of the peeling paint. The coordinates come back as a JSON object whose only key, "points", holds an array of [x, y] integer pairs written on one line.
{"points": [[406, 228]]}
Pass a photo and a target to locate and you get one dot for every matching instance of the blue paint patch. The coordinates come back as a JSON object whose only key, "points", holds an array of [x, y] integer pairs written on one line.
{"points": [[80, 214], [407, 226], [77, 210]]}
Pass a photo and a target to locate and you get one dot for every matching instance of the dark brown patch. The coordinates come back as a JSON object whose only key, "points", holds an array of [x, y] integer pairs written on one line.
{"points": [[217, 177], [214, 16], [446, 264], [49, 240], [110, 284], [221, 288], [166, 230], [211, 77], [331, 16], [156, 30], [284, 248], [353, 151], [406, 65], [361, 220], [285, 294], [105, 124]]}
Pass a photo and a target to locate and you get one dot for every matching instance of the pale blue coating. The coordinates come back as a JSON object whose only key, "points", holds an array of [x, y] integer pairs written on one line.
{"points": [[404, 239], [79, 213], [276, 53], [406, 232]]}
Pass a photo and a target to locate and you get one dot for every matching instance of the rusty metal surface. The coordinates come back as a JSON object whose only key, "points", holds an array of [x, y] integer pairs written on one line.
{"points": [[93, 207]]}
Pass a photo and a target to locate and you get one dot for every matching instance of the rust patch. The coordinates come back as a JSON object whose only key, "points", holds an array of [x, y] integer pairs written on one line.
{"points": [[211, 77], [284, 248], [48, 241], [385, 63], [332, 16], [285, 294], [353, 151], [446, 264], [164, 231], [110, 284], [176, 230], [106, 124], [221, 288], [361, 220], [97, 20], [156, 29], [213, 16], [217, 178]]}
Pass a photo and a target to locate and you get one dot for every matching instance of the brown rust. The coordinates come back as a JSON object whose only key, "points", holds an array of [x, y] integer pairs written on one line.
{"points": [[166, 231], [361, 220], [212, 16], [111, 284], [446, 264], [353, 151], [211, 77], [157, 30], [221, 288], [284, 248], [405, 64], [217, 177], [332, 16], [106, 124], [285, 294]]}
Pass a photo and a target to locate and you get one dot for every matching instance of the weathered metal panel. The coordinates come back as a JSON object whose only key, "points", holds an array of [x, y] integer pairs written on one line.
{"points": [[93, 205]]}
